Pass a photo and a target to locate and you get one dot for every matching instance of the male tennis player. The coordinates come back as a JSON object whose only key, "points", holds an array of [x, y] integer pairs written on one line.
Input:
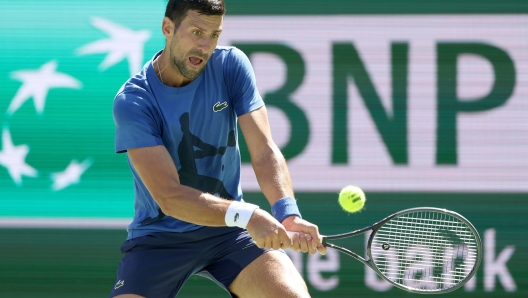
{"points": [[177, 121]]}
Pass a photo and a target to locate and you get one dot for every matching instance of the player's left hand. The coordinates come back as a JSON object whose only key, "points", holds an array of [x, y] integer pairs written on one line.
{"points": [[307, 238]]}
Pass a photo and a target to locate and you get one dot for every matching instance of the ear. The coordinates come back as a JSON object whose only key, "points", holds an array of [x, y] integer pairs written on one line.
{"points": [[167, 27]]}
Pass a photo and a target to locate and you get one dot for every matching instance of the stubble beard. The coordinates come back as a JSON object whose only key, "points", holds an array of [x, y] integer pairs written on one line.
{"points": [[180, 63]]}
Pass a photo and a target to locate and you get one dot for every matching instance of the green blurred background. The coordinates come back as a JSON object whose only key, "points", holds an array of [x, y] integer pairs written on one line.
{"points": [[66, 197]]}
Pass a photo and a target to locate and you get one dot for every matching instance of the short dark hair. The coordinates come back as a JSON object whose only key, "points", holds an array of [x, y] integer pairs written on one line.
{"points": [[177, 9]]}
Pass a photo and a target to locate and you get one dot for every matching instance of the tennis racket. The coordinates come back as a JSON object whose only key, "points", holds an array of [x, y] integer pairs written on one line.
{"points": [[421, 250]]}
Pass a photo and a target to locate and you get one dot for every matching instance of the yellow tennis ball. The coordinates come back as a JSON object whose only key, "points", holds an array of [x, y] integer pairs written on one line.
{"points": [[351, 198]]}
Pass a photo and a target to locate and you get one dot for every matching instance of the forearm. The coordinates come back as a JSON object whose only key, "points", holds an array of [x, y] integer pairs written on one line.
{"points": [[272, 174], [191, 205]]}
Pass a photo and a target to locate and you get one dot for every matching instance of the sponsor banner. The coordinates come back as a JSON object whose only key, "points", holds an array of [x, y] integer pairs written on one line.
{"points": [[393, 103], [398, 103]]}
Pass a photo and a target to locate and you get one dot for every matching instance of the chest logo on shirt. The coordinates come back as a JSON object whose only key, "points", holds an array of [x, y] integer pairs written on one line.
{"points": [[219, 106], [191, 148]]}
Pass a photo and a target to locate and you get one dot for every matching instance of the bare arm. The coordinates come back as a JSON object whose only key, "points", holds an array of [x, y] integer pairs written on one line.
{"points": [[266, 158], [274, 178]]}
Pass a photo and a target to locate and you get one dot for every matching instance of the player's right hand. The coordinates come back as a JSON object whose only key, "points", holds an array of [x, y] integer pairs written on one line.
{"points": [[267, 232]]}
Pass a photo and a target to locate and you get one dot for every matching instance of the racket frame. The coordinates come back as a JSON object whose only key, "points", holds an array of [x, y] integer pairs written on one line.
{"points": [[376, 226]]}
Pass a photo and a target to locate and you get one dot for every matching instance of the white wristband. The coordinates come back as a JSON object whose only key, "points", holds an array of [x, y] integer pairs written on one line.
{"points": [[238, 214]]}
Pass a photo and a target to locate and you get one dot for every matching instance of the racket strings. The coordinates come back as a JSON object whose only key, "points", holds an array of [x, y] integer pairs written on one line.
{"points": [[425, 250]]}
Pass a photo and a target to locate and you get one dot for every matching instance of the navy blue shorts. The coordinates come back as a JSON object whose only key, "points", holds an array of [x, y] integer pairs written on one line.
{"points": [[158, 265]]}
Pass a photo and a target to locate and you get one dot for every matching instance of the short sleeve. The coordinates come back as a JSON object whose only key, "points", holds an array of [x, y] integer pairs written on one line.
{"points": [[135, 122], [241, 83]]}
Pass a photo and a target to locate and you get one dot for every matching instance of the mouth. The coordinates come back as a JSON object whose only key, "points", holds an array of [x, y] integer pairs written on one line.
{"points": [[195, 61]]}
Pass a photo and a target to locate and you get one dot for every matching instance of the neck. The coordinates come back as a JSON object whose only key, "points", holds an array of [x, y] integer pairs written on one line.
{"points": [[168, 75]]}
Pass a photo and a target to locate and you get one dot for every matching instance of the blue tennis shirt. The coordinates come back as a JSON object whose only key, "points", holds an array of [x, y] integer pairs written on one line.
{"points": [[197, 124]]}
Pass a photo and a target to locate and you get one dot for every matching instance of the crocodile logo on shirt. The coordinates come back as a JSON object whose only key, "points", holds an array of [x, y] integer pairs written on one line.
{"points": [[236, 217], [219, 106]]}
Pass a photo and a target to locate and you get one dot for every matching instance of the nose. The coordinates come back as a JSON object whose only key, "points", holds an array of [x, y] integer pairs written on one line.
{"points": [[205, 43]]}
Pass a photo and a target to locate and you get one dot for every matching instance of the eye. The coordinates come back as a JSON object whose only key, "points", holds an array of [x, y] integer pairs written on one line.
{"points": [[197, 32], [215, 35]]}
